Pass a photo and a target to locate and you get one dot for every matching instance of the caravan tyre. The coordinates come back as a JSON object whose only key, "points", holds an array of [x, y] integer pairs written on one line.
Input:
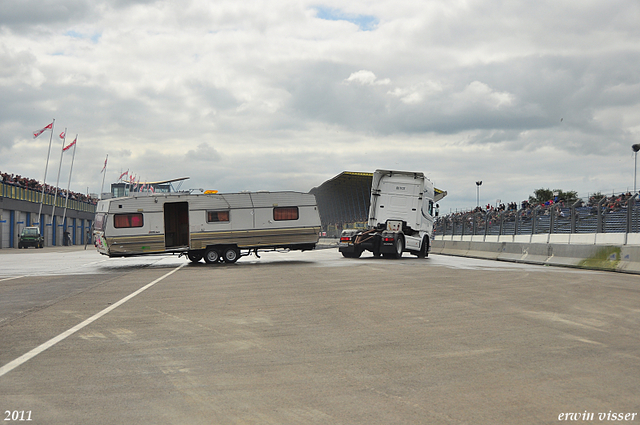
{"points": [[211, 256], [231, 255]]}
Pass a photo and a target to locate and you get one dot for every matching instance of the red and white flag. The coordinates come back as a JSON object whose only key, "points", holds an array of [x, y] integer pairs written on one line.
{"points": [[62, 135], [105, 164], [70, 145], [39, 132], [123, 174]]}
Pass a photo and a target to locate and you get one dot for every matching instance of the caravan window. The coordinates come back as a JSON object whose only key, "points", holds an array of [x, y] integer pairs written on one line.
{"points": [[127, 220], [217, 216], [100, 220], [285, 213]]}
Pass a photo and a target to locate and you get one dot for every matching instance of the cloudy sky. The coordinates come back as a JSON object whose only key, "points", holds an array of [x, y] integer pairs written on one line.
{"points": [[283, 95]]}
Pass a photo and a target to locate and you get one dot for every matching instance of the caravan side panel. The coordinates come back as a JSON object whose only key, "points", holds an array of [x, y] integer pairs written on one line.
{"points": [[245, 239], [148, 238], [259, 226]]}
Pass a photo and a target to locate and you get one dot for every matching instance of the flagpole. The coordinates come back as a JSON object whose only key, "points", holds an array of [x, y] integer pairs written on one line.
{"points": [[55, 196], [44, 180], [64, 215], [129, 176], [104, 175]]}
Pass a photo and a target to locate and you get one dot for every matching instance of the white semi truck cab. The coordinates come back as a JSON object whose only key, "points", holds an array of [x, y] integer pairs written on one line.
{"points": [[401, 217]]}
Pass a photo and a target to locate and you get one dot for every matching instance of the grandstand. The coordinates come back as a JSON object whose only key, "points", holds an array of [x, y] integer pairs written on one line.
{"points": [[615, 214], [20, 204]]}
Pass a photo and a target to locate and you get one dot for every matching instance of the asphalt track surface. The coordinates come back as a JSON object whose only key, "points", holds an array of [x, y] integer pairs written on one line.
{"points": [[313, 338]]}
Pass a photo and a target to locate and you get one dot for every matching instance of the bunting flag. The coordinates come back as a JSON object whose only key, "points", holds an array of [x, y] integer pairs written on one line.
{"points": [[39, 132], [105, 164], [70, 145]]}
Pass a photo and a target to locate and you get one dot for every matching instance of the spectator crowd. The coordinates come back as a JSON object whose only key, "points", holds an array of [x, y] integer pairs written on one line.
{"points": [[32, 184], [609, 204], [613, 203]]}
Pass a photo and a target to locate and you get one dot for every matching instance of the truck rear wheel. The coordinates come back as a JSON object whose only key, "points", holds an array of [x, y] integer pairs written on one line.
{"points": [[399, 246]]}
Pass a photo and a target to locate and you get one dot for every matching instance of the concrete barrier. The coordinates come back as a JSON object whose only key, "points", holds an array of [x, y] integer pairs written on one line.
{"points": [[629, 259], [589, 251]]}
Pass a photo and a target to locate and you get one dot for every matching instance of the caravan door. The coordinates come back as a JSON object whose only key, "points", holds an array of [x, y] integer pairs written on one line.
{"points": [[176, 225]]}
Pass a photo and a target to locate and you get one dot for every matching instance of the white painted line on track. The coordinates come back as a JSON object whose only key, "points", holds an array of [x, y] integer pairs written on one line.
{"points": [[11, 278], [53, 341]]}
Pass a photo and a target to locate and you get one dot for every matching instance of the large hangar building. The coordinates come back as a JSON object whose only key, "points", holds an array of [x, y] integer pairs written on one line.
{"points": [[343, 201]]}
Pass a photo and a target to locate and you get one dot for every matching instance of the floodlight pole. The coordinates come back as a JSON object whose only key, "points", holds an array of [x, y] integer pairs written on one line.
{"points": [[635, 148]]}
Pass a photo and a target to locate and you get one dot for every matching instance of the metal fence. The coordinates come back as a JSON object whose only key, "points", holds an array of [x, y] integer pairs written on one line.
{"points": [[598, 218]]}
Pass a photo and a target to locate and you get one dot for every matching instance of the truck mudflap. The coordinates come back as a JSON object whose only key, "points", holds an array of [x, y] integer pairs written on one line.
{"points": [[350, 251], [351, 243], [391, 244], [347, 245]]}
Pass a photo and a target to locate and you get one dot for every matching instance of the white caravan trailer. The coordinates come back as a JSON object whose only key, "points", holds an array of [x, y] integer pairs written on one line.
{"points": [[216, 227]]}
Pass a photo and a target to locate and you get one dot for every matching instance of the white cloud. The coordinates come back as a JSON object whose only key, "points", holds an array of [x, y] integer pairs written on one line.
{"points": [[416, 93], [365, 77], [477, 92]]}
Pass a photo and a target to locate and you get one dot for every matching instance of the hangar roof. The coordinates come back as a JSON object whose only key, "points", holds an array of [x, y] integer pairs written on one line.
{"points": [[346, 178], [344, 198]]}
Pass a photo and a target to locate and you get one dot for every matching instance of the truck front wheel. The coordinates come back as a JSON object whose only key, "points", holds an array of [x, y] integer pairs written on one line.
{"points": [[424, 249]]}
